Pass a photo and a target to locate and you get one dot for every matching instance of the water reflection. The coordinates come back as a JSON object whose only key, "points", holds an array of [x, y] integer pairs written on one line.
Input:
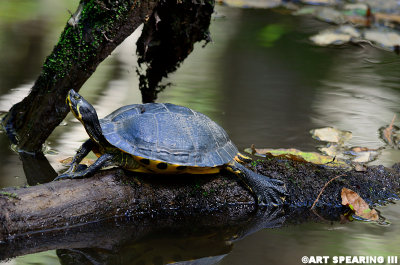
{"points": [[360, 96], [330, 239], [211, 241], [149, 240], [268, 95], [28, 31], [37, 168]]}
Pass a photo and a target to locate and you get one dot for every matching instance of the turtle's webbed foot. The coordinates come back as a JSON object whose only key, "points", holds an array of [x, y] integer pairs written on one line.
{"points": [[83, 171], [268, 191]]}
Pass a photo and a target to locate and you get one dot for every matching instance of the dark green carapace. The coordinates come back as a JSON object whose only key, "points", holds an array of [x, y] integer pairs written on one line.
{"points": [[163, 139]]}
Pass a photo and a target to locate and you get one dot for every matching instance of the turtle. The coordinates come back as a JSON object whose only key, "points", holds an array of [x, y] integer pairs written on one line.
{"points": [[163, 138]]}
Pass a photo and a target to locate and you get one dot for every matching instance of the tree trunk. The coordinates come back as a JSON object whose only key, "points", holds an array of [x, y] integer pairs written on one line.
{"points": [[93, 32]]}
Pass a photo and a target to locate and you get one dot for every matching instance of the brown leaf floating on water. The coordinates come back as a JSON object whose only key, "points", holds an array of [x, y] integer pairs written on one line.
{"points": [[358, 205]]}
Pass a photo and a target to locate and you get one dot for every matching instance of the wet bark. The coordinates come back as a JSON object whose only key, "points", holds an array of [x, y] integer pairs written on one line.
{"points": [[115, 193], [110, 194], [92, 33], [167, 39]]}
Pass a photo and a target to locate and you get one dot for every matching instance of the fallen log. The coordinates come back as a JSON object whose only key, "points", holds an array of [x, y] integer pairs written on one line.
{"points": [[110, 194], [116, 193]]}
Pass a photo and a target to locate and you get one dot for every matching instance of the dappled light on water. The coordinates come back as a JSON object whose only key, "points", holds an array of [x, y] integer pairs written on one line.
{"points": [[266, 83]]}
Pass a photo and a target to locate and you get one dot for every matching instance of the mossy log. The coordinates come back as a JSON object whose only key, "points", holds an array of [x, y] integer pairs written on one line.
{"points": [[116, 193]]}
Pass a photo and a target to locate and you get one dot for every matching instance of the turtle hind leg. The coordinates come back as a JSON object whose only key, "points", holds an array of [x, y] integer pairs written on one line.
{"points": [[266, 190], [102, 161]]}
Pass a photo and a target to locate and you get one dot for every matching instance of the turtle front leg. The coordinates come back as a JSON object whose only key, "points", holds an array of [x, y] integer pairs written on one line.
{"points": [[80, 154], [266, 190], [97, 165]]}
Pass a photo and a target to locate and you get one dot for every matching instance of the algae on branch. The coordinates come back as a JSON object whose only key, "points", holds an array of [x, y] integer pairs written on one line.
{"points": [[9, 195], [84, 33]]}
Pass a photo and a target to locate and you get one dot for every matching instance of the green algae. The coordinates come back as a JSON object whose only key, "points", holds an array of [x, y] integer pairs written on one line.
{"points": [[9, 195], [81, 40]]}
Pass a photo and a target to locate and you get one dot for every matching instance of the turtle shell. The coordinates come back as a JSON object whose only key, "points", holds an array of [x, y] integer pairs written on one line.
{"points": [[168, 133]]}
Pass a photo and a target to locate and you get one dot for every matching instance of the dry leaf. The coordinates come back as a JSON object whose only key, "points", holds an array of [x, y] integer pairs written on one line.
{"points": [[359, 167], [361, 149], [333, 150], [358, 205], [329, 37], [364, 156], [298, 155], [332, 135], [383, 38], [387, 17], [356, 154]]}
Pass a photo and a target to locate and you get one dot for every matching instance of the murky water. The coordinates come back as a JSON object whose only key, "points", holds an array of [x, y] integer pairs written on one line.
{"points": [[264, 91]]}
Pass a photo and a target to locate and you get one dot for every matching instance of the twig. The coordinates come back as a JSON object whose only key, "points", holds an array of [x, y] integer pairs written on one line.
{"points": [[105, 36], [319, 216], [323, 188]]}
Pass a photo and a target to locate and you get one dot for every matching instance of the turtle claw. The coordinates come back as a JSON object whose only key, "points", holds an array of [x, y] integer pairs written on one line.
{"points": [[267, 191], [63, 176], [73, 175], [270, 191]]}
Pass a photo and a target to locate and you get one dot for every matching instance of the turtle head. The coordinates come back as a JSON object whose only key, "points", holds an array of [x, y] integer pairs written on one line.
{"points": [[81, 109], [86, 114]]}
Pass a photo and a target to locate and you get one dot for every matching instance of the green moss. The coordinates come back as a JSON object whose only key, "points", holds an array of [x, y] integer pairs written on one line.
{"points": [[9, 194], [78, 44], [291, 179]]}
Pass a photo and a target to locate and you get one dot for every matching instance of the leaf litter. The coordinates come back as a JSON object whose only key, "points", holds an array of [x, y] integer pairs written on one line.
{"points": [[298, 155], [362, 21], [330, 134], [337, 154]]}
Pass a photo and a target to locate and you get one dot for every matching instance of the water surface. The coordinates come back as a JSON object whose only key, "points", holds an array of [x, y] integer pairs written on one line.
{"points": [[264, 91]]}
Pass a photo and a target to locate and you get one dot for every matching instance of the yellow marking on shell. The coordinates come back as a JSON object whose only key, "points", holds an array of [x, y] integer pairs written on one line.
{"points": [[172, 168], [152, 167]]}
